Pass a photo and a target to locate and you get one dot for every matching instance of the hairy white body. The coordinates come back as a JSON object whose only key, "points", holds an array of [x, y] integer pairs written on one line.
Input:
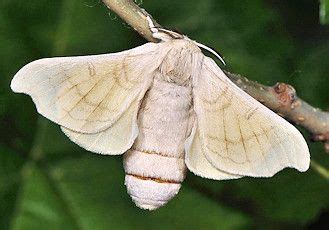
{"points": [[168, 108], [155, 164]]}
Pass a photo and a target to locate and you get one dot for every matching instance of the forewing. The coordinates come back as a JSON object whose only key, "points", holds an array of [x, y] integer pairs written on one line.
{"points": [[238, 134], [88, 94]]}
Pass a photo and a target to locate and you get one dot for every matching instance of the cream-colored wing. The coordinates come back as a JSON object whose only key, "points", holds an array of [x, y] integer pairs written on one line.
{"points": [[196, 161], [88, 94], [115, 140], [238, 134]]}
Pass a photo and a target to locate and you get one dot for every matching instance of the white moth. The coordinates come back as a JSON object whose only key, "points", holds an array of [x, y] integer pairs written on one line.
{"points": [[167, 108]]}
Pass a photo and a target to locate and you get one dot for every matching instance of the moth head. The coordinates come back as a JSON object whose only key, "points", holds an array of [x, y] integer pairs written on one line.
{"points": [[168, 35], [177, 65], [165, 35]]}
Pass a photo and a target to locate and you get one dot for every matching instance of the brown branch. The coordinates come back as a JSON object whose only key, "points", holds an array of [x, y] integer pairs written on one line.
{"points": [[280, 98]]}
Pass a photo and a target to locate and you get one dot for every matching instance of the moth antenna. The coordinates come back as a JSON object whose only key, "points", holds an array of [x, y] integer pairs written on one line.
{"points": [[211, 51], [171, 33]]}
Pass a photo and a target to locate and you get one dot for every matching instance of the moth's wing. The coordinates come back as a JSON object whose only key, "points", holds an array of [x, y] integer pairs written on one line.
{"points": [[196, 161], [115, 140], [96, 98], [238, 134], [87, 94]]}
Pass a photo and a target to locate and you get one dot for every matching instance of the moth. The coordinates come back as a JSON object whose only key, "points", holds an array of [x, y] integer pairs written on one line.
{"points": [[167, 108]]}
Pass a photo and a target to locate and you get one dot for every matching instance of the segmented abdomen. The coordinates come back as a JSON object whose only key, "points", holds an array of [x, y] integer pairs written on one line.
{"points": [[155, 165]]}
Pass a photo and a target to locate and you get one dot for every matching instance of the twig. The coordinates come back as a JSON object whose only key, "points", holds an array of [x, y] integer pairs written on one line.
{"points": [[281, 98], [133, 15]]}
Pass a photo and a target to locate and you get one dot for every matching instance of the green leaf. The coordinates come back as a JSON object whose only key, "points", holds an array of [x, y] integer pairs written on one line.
{"points": [[324, 11], [10, 165], [40, 204]]}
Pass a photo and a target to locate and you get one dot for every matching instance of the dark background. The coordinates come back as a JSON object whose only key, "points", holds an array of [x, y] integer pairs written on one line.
{"points": [[46, 181]]}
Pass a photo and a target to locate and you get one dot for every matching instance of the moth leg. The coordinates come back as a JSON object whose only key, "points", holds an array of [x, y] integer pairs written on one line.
{"points": [[153, 28], [161, 33]]}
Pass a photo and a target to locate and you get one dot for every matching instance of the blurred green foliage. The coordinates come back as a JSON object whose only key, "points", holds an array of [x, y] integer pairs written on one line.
{"points": [[48, 182], [324, 11]]}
